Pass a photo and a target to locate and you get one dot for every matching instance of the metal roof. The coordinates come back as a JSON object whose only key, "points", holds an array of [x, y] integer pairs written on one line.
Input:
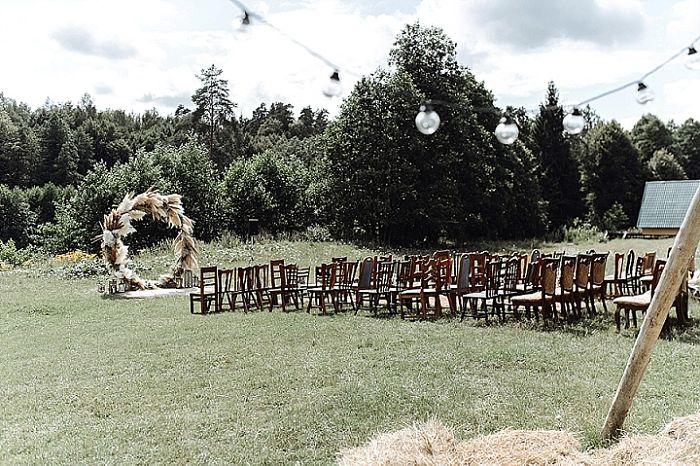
{"points": [[665, 203]]}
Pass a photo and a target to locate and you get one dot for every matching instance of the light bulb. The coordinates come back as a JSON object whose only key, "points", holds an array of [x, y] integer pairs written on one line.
{"points": [[692, 60], [427, 120], [243, 24], [574, 122], [506, 131], [644, 94], [333, 87]]}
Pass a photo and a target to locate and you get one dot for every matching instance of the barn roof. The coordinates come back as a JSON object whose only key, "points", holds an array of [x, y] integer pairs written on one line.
{"points": [[665, 203]]}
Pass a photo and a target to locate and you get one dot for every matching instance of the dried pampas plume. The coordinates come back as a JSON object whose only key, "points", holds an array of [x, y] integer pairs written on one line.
{"points": [[117, 225]]}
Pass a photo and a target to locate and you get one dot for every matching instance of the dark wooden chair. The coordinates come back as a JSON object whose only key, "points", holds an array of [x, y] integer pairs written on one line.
{"points": [[288, 289], [208, 290], [345, 282], [365, 281], [434, 275], [542, 299], [564, 293], [462, 284], [616, 281], [380, 287], [324, 287], [596, 281], [639, 302], [484, 291], [227, 295], [583, 275]]}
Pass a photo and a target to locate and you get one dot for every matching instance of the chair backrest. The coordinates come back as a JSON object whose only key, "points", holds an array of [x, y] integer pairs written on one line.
{"points": [[345, 274], [658, 270], [477, 269], [325, 276], [276, 266], [649, 259], [548, 275], [630, 264], [303, 276], [384, 277], [493, 277], [535, 255], [225, 280], [366, 273], [583, 270], [442, 272], [208, 277], [522, 265], [566, 272], [262, 276], [339, 259], [619, 265], [463, 272], [246, 278], [511, 274], [598, 263], [290, 277], [442, 254], [404, 274]]}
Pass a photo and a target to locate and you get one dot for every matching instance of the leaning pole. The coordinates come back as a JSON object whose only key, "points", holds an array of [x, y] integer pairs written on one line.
{"points": [[666, 291]]}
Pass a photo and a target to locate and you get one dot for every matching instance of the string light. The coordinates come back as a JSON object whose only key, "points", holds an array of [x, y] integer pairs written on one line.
{"points": [[574, 122], [644, 94], [692, 60], [507, 131], [427, 120], [333, 87]]}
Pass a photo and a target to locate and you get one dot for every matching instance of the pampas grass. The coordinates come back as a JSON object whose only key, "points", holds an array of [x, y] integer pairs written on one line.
{"points": [[118, 224]]}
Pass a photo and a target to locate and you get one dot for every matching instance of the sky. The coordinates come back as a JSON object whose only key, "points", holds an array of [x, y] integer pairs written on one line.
{"points": [[142, 54]]}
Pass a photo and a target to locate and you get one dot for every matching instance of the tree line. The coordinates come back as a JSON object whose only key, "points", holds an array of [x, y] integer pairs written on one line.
{"points": [[366, 175]]}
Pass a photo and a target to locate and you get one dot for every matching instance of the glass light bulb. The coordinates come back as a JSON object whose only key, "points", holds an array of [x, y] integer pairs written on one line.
{"points": [[574, 122], [692, 60], [644, 94], [243, 23], [333, 87], [506, 131], [427, 120]]}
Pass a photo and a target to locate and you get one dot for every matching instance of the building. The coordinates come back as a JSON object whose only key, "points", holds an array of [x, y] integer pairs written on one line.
{"points": [[664, 205]]}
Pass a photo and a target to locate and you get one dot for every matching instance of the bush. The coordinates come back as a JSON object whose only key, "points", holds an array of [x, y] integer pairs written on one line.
{"points": [[579, 231], [17, 221], [615, 218], [13, 256]]}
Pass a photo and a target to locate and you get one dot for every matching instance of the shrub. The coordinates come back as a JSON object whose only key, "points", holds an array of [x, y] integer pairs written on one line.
{"points": [[10, 255], [17, 221]]}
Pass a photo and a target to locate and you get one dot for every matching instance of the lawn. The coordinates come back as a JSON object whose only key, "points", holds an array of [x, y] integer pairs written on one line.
{"points": [[87, 379]]}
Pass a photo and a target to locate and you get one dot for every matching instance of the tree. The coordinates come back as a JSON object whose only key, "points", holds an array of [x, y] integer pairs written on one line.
{"points": [[611, 172], [214, 112], [559, 177], [664, 166], [686, 146], [650, 134]]}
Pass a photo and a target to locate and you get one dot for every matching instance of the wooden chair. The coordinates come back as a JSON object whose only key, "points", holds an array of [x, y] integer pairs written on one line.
{"points": [[227, 299], [365, 281], [345, 282], [564, 293], [583, 275], [596, 281], [647, 270], [639, 302], [380, 287], [208, 290], [462, 283], [324, 288], [288, 287], [434, 278], [262, 285], [275, 285], [479, 300], [618, 278], [245, 287], [543, 298]]}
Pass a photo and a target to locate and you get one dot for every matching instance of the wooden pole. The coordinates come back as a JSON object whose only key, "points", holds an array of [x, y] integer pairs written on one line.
{"points": [[669, 284]]}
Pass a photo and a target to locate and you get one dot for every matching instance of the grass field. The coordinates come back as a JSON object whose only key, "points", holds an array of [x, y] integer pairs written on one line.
{"points": [[87, 379]]}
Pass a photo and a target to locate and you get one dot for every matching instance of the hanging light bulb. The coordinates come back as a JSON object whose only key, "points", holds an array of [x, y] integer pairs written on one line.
{"points": [[427, 120], [574, 122], [244, 23], [644, 94], [333, 87], [692, 60], [506, 131]]}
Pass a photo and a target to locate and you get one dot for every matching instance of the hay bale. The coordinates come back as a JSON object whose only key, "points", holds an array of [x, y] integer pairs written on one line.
{"points": [[517, 447], [426, 444]]}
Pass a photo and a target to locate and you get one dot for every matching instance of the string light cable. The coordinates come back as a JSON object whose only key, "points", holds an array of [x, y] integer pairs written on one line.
{"points": [[333, 87], [428, 120]]}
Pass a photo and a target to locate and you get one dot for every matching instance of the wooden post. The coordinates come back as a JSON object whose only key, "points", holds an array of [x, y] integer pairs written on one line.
{"points": [[671, 278]]}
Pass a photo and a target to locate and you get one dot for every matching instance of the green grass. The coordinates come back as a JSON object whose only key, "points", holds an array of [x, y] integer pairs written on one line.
{"points": [[86, 379]]}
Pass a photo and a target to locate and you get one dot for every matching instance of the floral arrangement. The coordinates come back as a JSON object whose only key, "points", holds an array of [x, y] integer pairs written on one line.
{"points": [[75, 256], [118, 224]]}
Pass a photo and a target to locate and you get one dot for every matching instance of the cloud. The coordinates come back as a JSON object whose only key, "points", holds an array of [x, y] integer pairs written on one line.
{"points": [[80, 40], [103, 89], [170, 101], [537, 23]]}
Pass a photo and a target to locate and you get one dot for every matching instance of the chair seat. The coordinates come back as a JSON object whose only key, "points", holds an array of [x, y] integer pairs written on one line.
{"points": [[639, 301], [529, 299], [208, 291], [416, 292]]}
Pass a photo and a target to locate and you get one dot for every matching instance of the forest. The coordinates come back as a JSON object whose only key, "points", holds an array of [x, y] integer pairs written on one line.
{"points": [[365, 175]]}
